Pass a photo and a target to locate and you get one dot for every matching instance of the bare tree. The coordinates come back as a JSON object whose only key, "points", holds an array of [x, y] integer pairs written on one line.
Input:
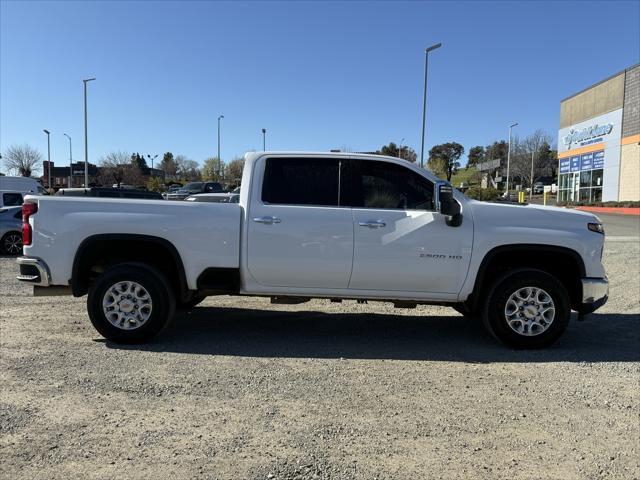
{"points": [[525, 151], [22, 159], [187, 169], [117, 169]]}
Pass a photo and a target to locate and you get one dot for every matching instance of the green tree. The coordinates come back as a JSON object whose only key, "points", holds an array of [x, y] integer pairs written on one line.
{"points": [[234, 171], [446, 157], [393, 150], [497, 150], [476, 156], [213, 169], [168, 166], [140, 163]]}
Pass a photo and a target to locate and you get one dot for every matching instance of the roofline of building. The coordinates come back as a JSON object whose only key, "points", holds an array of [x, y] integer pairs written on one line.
{"points": [[598, 83]]}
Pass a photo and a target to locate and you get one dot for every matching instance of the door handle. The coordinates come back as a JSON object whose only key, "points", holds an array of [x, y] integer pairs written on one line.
{"points": [[267, 220], [373, 224]]}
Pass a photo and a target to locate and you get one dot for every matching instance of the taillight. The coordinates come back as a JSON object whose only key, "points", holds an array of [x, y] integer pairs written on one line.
{"points": [[28, 209]]}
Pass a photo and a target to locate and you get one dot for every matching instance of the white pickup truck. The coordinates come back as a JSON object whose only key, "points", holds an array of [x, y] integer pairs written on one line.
{"points": [[319, 225]]}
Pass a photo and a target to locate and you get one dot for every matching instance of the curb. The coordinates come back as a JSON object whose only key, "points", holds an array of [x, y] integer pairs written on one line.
{"points": [[616, 210]]}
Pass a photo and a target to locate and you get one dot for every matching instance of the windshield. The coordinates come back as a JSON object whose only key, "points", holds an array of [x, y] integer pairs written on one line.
{"points": [[193, 186]]}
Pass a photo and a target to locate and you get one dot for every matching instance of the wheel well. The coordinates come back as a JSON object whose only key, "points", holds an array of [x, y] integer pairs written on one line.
{"points": [[98, 253], [563, 263]]}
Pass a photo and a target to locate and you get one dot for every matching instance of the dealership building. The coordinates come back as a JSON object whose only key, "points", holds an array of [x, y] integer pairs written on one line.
{"points": [[599, 141]]}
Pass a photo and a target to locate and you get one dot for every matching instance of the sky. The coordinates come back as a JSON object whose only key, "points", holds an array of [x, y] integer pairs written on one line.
{"points": [[316, 75]]}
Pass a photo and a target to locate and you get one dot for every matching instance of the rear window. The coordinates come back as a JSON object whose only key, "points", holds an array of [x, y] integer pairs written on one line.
{"points": [[301, 181], [12, 199]]}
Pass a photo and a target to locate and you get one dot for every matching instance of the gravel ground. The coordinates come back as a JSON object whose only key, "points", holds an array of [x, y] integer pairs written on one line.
{"points": [[241, 389]]}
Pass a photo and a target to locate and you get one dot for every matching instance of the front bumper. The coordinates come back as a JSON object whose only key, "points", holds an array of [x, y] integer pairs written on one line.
{"points": [[595, 293], [34, 271]]}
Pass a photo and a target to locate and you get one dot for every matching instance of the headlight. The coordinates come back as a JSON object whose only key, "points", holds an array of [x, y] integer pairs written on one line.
{"points": [[596, 227]]}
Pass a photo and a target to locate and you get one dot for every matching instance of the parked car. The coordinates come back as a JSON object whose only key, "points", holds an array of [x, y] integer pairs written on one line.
{"points": [[11, 230], [193, 188], [214, 197], [324, 225], [21, 184], [106, 192], [538, 188]]}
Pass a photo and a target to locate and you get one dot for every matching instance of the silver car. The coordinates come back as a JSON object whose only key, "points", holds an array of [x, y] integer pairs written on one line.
{"points": [[11, 230]]}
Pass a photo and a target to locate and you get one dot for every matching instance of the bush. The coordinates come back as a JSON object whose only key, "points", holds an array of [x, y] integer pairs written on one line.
{"points": [[155, 185], [485, 194], [625, 204]]}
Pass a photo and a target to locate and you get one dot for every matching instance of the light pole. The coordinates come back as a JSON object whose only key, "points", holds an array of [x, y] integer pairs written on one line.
{"points": [[400, 148], [70, 161], [152, 159], [509, 157], [264, 139], [531, 189], [424, 101], [86, 145], [219, 159], [48, 158]]}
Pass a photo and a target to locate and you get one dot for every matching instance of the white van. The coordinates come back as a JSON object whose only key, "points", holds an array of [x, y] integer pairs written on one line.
{"points": [[13, 190]]}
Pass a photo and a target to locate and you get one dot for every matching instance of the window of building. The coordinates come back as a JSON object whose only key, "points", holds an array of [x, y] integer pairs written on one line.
{"points": [[301, 181]]}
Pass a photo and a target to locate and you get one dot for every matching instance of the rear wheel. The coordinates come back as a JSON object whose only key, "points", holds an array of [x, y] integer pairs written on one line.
{"points": [[527, 309], [11, 243], [130, 303]]}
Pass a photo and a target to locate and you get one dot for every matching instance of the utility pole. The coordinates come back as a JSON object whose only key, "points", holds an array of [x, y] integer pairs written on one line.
{"points": [[424, 101], [509, 157], [531, 182], [86, 145], [70, 161]]}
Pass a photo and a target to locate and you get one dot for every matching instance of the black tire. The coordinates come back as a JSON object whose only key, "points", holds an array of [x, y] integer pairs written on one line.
{"points": [[9, 242], [161, 309], [495, 316]]}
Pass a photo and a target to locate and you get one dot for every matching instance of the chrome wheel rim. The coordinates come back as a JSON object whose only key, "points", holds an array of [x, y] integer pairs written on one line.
{"points": [[13, 243], [529, 311], [127, 305]]}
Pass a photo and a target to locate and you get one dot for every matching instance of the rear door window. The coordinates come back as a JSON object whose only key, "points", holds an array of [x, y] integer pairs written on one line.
{"points": [[301, 181], [12, 199]]}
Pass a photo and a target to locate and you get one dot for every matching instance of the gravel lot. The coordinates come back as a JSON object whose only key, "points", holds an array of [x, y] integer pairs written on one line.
{"points": [[319, 390]]}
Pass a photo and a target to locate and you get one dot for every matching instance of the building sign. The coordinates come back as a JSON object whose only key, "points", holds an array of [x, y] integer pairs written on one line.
{"points": [[489, 165], [587, 136], [588, 161], [575, 164], [598, 159], [605, 128]]}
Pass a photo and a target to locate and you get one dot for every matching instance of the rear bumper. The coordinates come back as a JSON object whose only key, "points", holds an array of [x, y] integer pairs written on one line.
{"points": [[34, 271], [595, 293]]}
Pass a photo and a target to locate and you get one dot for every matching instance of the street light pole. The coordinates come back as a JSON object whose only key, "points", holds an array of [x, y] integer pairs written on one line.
{"points": [[264, 139], [424, 100], [400, 148], [48, 158], [509, 156], [219, 159], [531, 182], [86, 145], [70, 161]]}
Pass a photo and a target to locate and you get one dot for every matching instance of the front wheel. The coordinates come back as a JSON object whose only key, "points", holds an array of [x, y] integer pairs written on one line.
{"points": [[527, 309], [130, 303]]}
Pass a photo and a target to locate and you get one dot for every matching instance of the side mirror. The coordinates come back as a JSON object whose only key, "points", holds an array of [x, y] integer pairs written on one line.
{"points": [[447, 204]]}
